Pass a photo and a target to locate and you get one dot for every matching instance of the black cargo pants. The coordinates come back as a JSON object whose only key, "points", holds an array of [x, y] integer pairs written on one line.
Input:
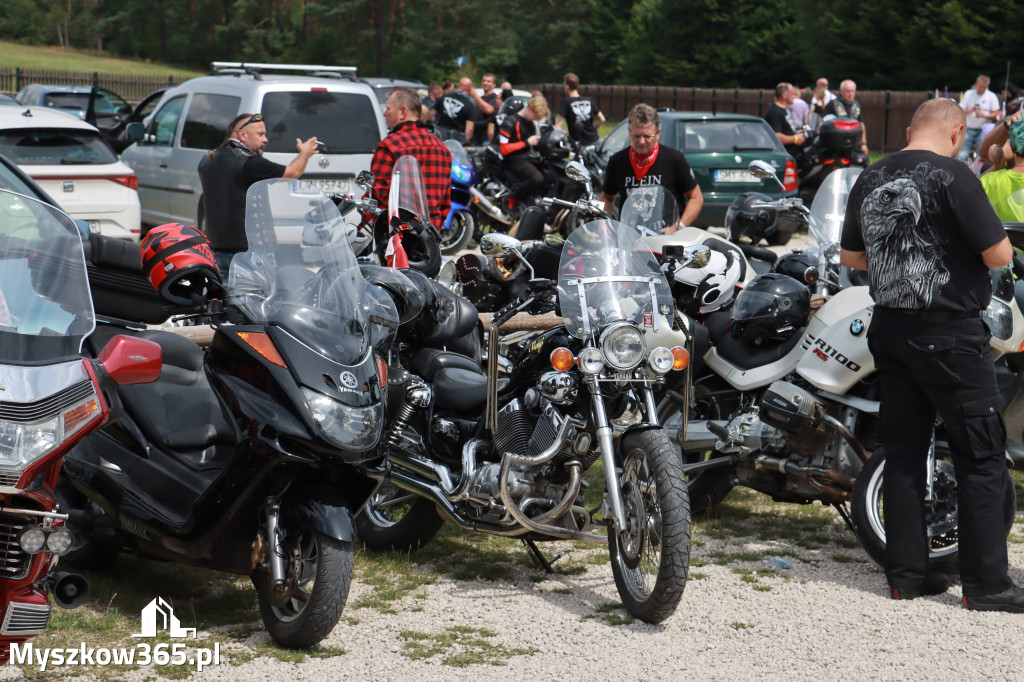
{"points": [[928, 364]]}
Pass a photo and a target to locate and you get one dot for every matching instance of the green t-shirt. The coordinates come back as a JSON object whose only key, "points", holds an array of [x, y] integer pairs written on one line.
{"points": [[999, 185]]}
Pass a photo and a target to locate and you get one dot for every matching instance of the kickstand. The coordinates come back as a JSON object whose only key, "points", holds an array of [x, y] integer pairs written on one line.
{"points": [[534, 551], [845, 514]]}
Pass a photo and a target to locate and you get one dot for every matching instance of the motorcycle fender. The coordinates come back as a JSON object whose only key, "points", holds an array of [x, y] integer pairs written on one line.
{"points": [[836, 354], [629, 429], [323, 510]]}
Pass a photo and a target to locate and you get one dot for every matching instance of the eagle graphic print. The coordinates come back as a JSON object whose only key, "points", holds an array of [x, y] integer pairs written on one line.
{"points": [[907, 267]]}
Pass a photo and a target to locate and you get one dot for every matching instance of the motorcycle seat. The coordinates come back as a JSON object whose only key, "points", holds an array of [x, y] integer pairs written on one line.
{"points": [[460, 390], [427, 362], [748, 355]]}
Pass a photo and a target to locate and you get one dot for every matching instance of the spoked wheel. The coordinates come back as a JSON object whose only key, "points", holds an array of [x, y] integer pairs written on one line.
{"points": [[398, 520], [651, 555], [941, 515], [459, 232], [304, 610]]}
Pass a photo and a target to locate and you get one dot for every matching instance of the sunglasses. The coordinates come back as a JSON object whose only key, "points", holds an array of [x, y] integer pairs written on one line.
{"points": [[255, 118]]}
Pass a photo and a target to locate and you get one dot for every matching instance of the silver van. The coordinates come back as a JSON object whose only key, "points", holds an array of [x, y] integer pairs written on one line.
{"points": [[192, 119]]}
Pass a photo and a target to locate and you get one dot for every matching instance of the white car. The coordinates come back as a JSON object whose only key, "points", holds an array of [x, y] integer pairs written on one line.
{"points": [[72, 163]]}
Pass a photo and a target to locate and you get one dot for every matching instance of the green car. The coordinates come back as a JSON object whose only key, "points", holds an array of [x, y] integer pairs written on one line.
{"points": [[719, 147]]}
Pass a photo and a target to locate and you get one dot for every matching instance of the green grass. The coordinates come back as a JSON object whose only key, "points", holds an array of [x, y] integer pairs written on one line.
{"points": [[14, 55], [459, 647]]}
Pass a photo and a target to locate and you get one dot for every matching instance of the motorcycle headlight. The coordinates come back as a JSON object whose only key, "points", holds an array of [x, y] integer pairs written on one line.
{"points": [[999, 318], [461, 173], [623, 346], [22, 443], [661, 359], [351, 428], [590, 361]]}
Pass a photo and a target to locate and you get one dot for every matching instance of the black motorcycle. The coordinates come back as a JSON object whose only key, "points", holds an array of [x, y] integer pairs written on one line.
{"points": [[243, 457], [830, 144]]}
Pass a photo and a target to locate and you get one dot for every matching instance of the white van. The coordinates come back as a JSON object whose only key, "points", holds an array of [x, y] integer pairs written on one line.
{"points": [[192, 118]]}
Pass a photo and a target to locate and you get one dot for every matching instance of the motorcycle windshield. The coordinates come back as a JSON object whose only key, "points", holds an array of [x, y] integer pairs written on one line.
{"points": [[829, 207], [1015, 202], [459, 154], [45, 304], [300, 273], [649, 209], [407, 192], [607, 274]]}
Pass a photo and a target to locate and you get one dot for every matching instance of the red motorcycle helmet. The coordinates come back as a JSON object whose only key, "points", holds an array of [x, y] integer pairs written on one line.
{"points": [[178, 261]]}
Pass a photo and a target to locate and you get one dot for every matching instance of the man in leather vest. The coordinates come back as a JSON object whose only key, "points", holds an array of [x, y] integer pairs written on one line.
{"points": [[226, 174]]}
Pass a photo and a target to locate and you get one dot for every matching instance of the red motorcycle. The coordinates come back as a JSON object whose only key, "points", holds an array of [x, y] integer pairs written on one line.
{"points": [[50, 398]]}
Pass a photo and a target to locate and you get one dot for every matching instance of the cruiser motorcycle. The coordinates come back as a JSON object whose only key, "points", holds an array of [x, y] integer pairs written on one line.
{"points": [[507, 456]]}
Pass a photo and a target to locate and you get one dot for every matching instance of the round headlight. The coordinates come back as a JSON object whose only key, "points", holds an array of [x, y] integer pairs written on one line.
{"points": [[623, 346], [590, 361], [32, 540], [59, 541], [661, 359]]}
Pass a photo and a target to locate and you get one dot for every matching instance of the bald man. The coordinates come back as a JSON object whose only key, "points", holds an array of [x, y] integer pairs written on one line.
{"points": [[919, 222]]}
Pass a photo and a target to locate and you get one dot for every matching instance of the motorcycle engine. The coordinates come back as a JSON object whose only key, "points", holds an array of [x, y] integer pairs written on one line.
{"points": [[793, 409]]}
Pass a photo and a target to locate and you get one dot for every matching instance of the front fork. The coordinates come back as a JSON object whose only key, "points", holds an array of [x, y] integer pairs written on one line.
{"points": [[929, 481], [604, 432]]}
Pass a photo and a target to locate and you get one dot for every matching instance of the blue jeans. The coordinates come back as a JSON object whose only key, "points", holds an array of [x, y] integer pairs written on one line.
{"points": [[972, 141], [223, 261]]}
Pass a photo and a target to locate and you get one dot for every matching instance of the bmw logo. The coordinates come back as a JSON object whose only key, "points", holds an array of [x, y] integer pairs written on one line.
{"points": [[348, 380], [857, 327]]}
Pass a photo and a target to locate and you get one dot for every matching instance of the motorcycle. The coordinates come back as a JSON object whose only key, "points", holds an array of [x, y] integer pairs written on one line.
{"points": [[788, 406], [243, 457], [508, 459], [831, 144], [53, 397], [460, 224]]}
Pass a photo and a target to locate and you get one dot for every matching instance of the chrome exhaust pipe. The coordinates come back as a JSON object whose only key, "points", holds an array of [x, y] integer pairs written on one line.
{"points": [[488, 207]]}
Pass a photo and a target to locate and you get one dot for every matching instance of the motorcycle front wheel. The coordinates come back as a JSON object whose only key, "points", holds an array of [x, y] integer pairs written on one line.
{"points": [[317, 580], [458, 233], [397, 520], [941, 515], [650, 557]]}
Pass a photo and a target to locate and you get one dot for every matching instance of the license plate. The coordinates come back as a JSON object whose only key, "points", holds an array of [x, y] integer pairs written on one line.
{"points": [[735, 175], [326, 185]]}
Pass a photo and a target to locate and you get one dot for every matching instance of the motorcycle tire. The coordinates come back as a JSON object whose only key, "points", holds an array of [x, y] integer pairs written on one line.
{"points": [[651, 557], [397, 520], [942, 515], [459, 232], [311, 606]]}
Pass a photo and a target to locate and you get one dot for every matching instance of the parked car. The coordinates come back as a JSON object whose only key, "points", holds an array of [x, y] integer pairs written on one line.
{"points": [[7, 99], [719, 147], [192, 118], [110, 112], [69, 160]]}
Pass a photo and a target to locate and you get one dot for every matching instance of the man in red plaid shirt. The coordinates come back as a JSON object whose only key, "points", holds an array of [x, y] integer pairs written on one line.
{"points": [[409, 136]]}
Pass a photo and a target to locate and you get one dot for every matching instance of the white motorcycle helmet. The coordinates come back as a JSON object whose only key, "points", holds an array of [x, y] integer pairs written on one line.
{"points": [[713, 286]]}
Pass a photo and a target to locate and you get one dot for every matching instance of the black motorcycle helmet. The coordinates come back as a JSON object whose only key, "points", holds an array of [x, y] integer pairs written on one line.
{"points": [[555, 145], [409, 298], [772, 307], [422, 242], [800, 265], [743, 220], [513, 105]]}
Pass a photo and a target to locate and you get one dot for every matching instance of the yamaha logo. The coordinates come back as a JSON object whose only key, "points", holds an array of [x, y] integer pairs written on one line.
{"points": [[324, 162], [348, 380]]}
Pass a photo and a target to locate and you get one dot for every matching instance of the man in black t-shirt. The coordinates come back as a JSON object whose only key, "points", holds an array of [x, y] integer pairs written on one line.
{"points": [[781, 121], [579, 113], [484, 118], [645, 163], [846, 106], [455, 115], [919, 222], [226, 174]]}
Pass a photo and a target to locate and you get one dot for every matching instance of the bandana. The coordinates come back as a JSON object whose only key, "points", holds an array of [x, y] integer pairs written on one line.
{"points": [[235, 142], [642, 164]]}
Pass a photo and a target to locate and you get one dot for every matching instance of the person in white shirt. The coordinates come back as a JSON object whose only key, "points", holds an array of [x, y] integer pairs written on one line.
{"points": [[821, 97], [981, 106]]}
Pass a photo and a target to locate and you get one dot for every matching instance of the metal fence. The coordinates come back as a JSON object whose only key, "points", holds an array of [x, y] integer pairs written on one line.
{"points": [[886, 113], [132, 88]]}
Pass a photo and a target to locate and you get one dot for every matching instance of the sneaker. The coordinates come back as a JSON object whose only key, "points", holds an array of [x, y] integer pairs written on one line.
{"points": [[935, 583], [1011, 600]]}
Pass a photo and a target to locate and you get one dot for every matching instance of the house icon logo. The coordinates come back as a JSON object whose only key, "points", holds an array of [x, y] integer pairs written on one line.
{"points": [[158, 614]]}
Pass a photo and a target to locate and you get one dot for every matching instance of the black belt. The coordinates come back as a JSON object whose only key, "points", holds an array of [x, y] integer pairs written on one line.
{"points": [[934, 315]]}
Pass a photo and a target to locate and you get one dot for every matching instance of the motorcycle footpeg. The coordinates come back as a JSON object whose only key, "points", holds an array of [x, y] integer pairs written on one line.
{"points": [[719, 430]]}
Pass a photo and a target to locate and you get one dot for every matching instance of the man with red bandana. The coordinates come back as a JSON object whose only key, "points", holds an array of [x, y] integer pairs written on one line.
{"points": [[645, 163]]}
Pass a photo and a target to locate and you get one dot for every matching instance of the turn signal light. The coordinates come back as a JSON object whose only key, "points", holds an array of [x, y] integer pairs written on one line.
{"points": [[382, 372], [680, 358], [789, 177], [261, 343], [562, 359]]}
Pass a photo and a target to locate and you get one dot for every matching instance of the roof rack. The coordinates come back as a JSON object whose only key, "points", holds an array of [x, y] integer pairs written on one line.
{"points": [[256, 69]]}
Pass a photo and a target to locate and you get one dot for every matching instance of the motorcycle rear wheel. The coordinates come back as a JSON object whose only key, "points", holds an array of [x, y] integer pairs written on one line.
{"points": [[459, 232], [397, 520], [319, 574], [651, 557], [942, 515]]}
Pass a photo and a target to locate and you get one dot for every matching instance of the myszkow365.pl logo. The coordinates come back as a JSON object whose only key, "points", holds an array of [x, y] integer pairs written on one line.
{"points": [[157, 615]]}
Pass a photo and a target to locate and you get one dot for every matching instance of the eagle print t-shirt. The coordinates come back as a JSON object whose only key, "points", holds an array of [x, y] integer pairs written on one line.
{"points": [[923, 220]]}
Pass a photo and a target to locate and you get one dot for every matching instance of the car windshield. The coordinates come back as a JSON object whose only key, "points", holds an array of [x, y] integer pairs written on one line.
{"points": [[79, 101], [45, 305], [55, 147], [345, 122], [829, 207], [299, 273], [726, 136], [607, 275]]}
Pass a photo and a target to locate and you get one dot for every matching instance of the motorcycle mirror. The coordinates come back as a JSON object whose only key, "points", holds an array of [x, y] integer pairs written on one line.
{"points": [[497, 245], [696, 256], [763, 169], [131, 360], [578, 172], [365, 180]]}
